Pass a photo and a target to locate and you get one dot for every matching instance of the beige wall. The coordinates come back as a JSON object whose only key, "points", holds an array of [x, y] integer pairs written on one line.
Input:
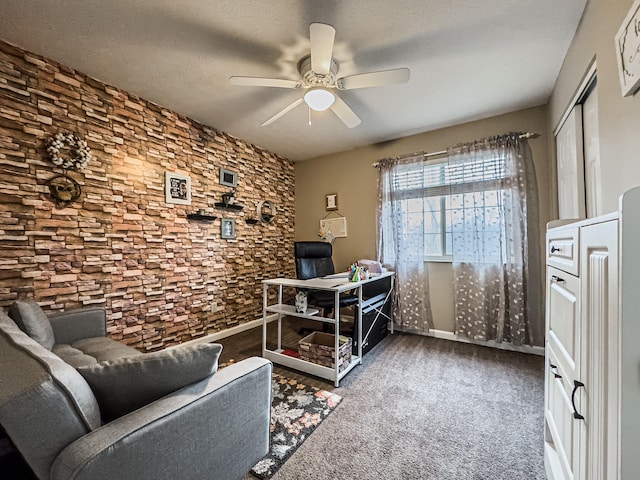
{"points": [[351, 176], [619, 117]]}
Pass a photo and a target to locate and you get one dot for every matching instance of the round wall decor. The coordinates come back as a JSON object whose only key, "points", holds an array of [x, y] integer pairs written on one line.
{"points": [[64, 189], [78, 152], [266, 211]]}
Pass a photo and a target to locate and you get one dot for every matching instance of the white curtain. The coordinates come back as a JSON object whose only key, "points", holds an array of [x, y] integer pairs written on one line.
{"points": [[495, 238], [401, 245]]}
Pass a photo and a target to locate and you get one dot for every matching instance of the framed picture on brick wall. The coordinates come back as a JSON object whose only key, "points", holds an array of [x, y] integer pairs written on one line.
{"points": [[228, 178], [228, 228], [177, 188]]}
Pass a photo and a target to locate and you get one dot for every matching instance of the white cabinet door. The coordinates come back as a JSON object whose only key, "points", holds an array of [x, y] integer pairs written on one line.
{"points": [[570, 165], [564, 333], [563, 322], [599, 290]]}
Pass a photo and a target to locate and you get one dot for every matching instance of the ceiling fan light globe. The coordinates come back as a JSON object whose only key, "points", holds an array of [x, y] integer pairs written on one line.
{"points": [[319, 99]]}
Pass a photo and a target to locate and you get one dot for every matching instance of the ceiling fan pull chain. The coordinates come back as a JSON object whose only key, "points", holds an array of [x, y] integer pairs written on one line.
{"points": [[309, 108]]}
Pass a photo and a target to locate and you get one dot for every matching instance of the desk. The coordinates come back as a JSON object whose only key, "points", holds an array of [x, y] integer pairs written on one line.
{"points": [[337, 284]]}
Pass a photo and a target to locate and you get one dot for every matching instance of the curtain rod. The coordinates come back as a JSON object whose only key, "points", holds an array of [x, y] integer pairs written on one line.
{"points": [[444, 152]]}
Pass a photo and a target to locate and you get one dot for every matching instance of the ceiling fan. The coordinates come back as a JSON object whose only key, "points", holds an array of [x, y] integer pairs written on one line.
{"points": [[318, 72]]}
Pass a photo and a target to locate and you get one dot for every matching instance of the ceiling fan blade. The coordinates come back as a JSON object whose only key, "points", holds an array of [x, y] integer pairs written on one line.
{"points": [[342, 110], [282, 112], [322, 37], [374, 79], [265, 82]]}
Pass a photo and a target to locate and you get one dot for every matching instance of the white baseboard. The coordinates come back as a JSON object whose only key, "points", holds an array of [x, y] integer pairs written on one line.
{"points": [[213, 337], [243, 327], [486, 343]]}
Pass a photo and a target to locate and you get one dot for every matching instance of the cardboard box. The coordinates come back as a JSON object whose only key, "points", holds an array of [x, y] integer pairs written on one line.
{"points": [[318, 347]]}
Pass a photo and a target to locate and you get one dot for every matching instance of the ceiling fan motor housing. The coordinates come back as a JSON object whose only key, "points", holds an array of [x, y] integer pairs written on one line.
{"points": [[313, 79]]}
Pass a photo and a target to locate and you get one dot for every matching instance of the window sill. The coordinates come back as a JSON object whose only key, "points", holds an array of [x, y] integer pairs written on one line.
{"points": [[445, 259]]}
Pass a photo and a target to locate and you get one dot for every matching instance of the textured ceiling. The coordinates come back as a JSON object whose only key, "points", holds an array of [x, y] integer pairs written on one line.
{"points": [[469, 59]]}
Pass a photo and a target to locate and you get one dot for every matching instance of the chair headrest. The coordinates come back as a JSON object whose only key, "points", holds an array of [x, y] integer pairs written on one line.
{"points": [[313, 249]]}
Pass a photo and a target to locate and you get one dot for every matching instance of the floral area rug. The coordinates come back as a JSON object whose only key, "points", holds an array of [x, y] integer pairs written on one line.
{"points": [[296, 411]]}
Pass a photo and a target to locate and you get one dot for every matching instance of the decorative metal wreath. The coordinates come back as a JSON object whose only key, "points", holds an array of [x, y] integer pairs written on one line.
{"points": [[64, 190], [79, 151]]}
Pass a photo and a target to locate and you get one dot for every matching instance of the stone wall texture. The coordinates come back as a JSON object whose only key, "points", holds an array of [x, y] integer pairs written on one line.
{"points": [[163, 279]]}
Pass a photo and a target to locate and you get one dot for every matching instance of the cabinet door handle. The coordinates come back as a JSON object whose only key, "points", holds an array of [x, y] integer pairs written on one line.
{"points": [[555, 249], [554, 370], [576, 385], [557, 279]]}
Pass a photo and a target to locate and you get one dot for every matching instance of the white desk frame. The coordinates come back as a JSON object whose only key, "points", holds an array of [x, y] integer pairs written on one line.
{"points": [[334, 283]]}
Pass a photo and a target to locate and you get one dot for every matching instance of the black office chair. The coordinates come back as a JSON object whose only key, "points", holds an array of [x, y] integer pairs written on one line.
{"points": [[313, 259]]}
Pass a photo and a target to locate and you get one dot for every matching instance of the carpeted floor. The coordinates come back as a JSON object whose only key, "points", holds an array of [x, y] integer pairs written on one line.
{"points": [[425, 408], [420, 408]]}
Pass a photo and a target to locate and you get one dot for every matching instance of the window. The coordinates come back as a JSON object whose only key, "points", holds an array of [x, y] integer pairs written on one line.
{"points": [[438, 198]]}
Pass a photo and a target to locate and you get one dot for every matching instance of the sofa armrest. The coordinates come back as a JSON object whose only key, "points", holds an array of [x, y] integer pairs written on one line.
{"points": [[77, 324], [216, 428]]}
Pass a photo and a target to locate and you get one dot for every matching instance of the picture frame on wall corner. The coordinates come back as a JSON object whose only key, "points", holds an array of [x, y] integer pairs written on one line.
{"points": [[331, 201], [627, 46], [227, 228], [228, 178], [177, 188]]}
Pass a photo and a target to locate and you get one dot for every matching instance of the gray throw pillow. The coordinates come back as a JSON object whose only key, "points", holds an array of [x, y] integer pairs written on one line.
{"points": [[32, 320], [124, 385]]}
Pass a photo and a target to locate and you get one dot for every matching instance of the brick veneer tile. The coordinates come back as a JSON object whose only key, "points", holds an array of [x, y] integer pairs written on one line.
{"points": [[162, 278]]}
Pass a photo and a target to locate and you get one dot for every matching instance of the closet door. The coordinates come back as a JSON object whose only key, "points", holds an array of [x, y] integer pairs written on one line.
{"points": [[591, 140], [570, 165]]}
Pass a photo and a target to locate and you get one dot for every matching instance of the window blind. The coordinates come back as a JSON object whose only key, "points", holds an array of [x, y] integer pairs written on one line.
{"points": [[441, 178]]}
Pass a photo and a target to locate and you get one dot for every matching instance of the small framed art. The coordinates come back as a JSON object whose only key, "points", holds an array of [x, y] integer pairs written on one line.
{"points": [[228, 178], [177, 188], [228, 228], [331, 201]]}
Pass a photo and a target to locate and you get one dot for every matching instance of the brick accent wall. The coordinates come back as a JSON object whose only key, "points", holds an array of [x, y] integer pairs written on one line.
{"points": [[162, 278]]}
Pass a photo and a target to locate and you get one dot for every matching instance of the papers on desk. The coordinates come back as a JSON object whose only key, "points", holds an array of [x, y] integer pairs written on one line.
{"points": [[338, 275], [325, 282]]}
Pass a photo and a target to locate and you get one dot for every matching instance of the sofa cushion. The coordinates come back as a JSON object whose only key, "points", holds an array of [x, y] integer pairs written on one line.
{"points": [[45, 404], [124, 385], [31, 319], [74, 357], [89, 351]]}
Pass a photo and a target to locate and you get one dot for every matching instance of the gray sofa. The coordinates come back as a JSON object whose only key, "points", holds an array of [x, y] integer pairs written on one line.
{"points": [[119, 414]]}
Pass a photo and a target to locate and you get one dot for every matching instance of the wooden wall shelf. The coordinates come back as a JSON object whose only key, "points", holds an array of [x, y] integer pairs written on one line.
{"points": [[198, 216], [229, 206]]}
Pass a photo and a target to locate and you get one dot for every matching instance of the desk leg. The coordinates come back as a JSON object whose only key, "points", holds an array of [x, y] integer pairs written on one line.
{"points": [[359, 324], [280, 320], [336, 354], [391, 280], [265, 295]]}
